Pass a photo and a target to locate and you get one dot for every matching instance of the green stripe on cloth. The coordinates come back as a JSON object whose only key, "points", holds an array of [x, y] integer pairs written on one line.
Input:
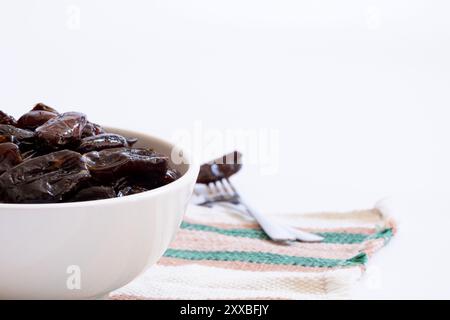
{"points": [[385, 234], [265, 258], [329, 237]]}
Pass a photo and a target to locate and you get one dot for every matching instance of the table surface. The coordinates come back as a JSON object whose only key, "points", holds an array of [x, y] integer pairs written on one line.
{"points": [[335, 105]]}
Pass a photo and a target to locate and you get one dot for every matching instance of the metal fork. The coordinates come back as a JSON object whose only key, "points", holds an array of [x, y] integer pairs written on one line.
{"points": [[223, 192]]}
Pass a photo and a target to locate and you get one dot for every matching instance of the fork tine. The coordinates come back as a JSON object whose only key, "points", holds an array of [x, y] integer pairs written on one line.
{"points": [[211, 189], [221, 185], [232, 188], [226, 186], [218, 187]]}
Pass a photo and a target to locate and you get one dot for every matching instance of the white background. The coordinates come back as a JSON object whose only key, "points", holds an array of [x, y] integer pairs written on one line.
{"points": [[358, 92]]}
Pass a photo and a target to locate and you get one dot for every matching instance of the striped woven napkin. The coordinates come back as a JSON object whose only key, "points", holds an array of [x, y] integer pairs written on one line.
{"points": [[222, 255]]}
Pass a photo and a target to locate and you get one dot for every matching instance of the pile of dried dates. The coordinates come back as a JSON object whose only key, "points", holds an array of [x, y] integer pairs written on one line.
{"points": [[50, 157]]}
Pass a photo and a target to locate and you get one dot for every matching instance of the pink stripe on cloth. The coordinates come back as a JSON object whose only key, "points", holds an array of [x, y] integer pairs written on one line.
{"points": [[238, 265]]}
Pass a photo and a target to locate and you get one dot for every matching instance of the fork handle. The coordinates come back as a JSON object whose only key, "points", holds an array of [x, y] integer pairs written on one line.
{"points": [[275, 231]]}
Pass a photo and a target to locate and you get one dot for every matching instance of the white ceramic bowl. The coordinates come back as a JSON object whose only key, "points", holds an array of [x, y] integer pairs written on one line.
{"points": [[87, 249]]}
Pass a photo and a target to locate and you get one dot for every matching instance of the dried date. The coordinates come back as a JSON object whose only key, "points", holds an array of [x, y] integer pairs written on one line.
{"points": [[44, 107], [92, 129], [5, 139], [7, 119], [128, 190], [64, 130], [111, 164], [9, 156], [25, 139], [101, 142], [170, 176], [44, 179], [34, 119], [17, 133], [94, 193]]}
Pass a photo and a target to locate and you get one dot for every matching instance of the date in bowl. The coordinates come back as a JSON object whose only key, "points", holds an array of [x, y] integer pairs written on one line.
{"points": [[85, 250]]}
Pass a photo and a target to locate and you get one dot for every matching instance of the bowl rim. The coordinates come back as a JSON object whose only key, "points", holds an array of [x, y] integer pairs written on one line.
{"points": [[191, 173]]}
